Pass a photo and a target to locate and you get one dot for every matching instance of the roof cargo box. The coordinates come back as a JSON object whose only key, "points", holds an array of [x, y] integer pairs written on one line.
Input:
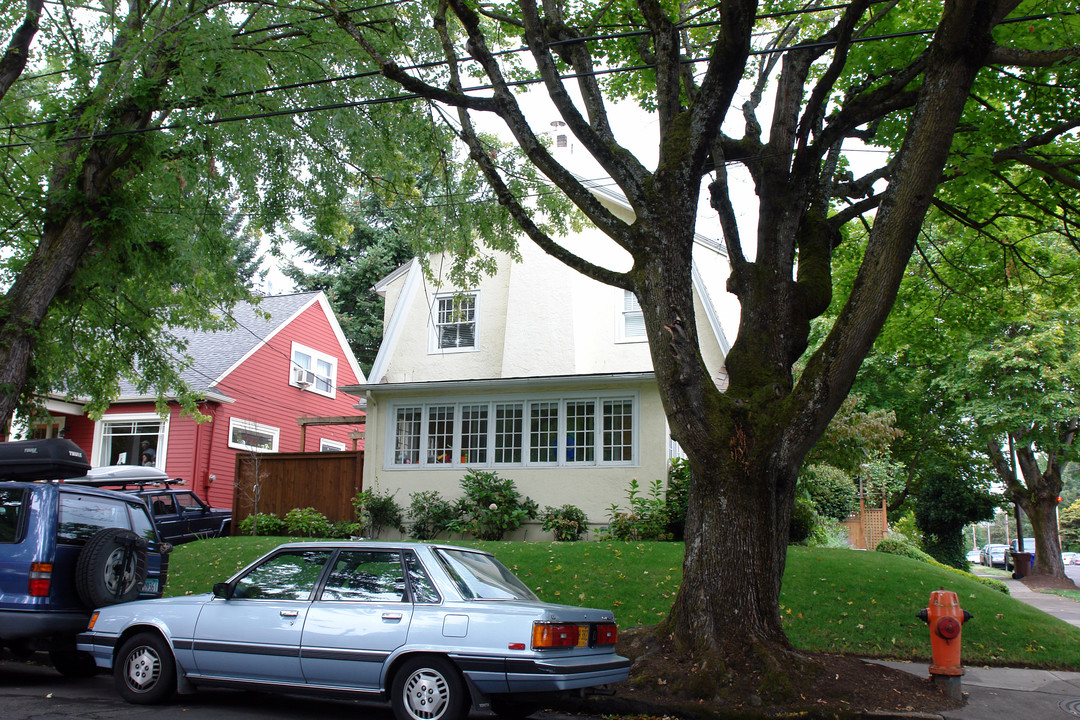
{"points": [[52, 459]]}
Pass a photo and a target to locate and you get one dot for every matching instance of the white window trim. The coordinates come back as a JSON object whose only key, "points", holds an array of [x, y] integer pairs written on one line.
{"points": [[620, 319], [99, 435], [333, 445], [270, 430], [433, 315], [315, 357], [561, 462]]}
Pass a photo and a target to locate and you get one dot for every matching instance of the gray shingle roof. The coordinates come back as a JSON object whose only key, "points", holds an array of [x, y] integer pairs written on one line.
{"points": [[216, 352]]}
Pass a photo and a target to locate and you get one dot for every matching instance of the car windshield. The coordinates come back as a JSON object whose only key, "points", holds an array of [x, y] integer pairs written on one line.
{"points": [[482, 577]]}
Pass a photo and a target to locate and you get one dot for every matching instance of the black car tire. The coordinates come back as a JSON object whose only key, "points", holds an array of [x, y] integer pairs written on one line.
{"points": [[145, 671], [111, 568], [508, 708], [429, 688], [73, 664]]}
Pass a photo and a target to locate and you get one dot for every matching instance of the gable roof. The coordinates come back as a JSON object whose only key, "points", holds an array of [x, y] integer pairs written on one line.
{"points": [[218, 353]]}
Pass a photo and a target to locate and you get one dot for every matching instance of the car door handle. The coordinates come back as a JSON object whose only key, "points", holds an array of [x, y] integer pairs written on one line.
{"points": [[389, 616], [288, 613]]}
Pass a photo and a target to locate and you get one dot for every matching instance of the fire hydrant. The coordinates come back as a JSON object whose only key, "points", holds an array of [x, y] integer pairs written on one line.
{"points": [[945, 618]]}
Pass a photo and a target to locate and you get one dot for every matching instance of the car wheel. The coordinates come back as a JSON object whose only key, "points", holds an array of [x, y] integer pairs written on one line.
{"points": [[111, 568], [145, 672], [73, 664], [429, 688], [508, 708]]}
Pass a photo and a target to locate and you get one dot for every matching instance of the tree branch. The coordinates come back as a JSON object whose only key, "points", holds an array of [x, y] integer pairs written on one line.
{"points": [[18, 52]]}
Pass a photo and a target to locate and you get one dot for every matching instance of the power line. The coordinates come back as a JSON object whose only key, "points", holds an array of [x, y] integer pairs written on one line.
{"points": [[406, 97]]}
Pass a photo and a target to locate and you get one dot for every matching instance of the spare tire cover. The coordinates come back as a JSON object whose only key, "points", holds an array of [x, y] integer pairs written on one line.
{"points": [[111, 568]]}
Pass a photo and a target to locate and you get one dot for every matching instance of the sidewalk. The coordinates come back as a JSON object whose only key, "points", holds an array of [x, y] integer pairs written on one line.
{"points": [[999, 693]]}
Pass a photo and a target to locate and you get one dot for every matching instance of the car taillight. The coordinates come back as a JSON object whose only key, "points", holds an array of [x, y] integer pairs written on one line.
{"points": [[547, 635], [40, 579], [607, 634]]}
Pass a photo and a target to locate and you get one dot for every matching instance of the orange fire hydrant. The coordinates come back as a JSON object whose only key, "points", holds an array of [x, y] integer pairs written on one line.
{"points": [[945, 618]]}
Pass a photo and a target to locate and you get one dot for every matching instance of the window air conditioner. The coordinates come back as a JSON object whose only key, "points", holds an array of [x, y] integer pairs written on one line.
{"points": [[303, 377]]}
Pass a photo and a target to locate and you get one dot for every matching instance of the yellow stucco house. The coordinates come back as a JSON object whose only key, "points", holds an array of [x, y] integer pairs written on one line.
{"points": [[538, 373]]}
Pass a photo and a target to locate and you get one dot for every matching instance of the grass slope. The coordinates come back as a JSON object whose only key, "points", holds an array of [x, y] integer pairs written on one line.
{"points": [[860, 603]]}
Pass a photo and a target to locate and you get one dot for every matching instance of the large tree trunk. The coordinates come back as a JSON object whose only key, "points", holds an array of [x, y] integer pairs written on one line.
{"points": [[1037, 495]]}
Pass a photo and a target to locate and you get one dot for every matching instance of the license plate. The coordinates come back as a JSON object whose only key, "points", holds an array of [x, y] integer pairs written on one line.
{"points": [[150, 586], [582, 635]]}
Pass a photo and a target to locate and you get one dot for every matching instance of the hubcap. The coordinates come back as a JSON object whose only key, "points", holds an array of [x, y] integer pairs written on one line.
{"points": [[426, 694], [143, 669], [119, 578]]}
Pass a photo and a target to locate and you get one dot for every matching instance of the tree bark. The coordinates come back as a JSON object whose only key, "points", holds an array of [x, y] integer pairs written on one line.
{"points": [[18, 52]]}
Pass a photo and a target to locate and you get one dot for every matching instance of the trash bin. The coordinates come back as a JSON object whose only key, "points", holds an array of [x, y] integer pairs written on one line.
{"points": [[1021, 564]]}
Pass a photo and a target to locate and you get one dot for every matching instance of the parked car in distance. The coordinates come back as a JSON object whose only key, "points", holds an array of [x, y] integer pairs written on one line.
{"points": [[1067, 558], [974, 555], [436, 629], [180, 515], [993, 555], [66, 549]]}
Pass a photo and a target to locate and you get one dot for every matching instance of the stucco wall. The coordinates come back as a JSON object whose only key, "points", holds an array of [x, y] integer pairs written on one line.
{"points": [[592, 488]]}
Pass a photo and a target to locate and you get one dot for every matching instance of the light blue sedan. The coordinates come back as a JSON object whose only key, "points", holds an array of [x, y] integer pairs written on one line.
{"points": [[436, 629]]}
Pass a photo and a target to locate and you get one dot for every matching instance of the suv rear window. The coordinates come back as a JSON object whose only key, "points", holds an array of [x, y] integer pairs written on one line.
{"points": [[11, 511], [81, 516]]}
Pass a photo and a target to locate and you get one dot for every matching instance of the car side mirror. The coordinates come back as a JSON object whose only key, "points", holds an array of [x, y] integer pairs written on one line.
{"points": [[223, 590]]}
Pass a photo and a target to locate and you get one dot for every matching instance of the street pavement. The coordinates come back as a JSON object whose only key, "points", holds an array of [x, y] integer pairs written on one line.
{"points": [[1007, 693]]}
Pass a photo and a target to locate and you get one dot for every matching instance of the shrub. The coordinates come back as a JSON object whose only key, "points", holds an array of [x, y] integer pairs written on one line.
{"points": [[677, 497], [262, 524], [567, 523], [344, 529], [832, 490], [646, 517], [491, 506], [431, 515], [306, 522], [827, 533], [803, 519], [378, 511]]}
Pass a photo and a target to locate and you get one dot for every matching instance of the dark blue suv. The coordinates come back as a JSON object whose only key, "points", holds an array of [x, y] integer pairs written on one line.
{"points": [[66, 549]]}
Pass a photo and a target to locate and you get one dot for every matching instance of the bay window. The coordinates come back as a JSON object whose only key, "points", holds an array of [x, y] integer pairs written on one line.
{"points": [[546, 431]]}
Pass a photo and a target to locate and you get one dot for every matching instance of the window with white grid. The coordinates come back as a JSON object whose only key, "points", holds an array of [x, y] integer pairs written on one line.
{"points": [[509, 420], [580, 444], [407, 435], [618, 430], [455, 321], [474, 433], [543, 432], [440, 435]]}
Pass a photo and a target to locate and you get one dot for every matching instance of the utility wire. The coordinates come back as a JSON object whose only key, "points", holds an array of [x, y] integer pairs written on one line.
{"points": [[413, 96]]}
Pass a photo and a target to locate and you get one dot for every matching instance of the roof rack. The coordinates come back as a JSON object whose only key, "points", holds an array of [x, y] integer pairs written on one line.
{"points": [[124, 477]]}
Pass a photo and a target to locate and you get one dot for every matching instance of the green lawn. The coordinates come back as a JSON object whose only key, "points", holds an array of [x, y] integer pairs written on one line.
{"points": [[861, 603]]}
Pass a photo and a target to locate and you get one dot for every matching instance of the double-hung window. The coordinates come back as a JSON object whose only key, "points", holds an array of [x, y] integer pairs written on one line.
{"points": [[313, 371], [530, 432], [454, 321]]}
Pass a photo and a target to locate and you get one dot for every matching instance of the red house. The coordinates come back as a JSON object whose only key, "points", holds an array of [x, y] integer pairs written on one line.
{"points": [[283, 362]]}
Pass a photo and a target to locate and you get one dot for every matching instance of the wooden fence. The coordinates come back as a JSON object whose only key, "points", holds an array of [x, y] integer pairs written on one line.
{"points": [[278, 482]]}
